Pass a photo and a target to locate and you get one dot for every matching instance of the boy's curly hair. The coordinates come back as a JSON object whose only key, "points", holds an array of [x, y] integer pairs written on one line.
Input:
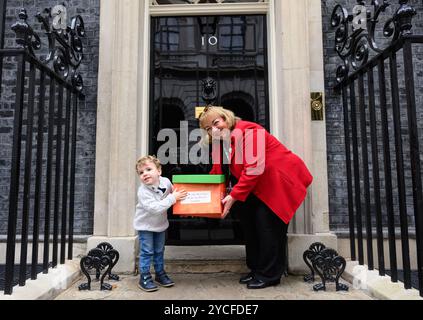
{"points": [[143, 160]]}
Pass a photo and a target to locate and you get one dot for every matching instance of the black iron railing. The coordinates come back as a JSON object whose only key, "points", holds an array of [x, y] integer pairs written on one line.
{"points": [[42, 181], [381, 134]]}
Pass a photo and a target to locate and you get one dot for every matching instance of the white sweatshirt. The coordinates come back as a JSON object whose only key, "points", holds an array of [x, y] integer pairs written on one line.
{"points": [[152, 206]]}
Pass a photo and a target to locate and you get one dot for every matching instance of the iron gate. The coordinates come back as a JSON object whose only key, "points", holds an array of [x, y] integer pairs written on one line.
{"points": [[382, 133], [43, 153]]}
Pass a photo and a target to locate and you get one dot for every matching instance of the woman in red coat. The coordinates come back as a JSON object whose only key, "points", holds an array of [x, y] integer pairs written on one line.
{"points": [[270, 184]]}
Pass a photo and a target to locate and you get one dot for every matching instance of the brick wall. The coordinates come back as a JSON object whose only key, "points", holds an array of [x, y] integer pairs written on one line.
{"points": [[85, 161]]}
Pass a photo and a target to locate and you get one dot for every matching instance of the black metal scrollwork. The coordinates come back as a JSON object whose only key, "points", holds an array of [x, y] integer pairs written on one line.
{"points": [[327, 264], [114, 256], [99, 258], [355, 38], [309, 256], [65, 50]]}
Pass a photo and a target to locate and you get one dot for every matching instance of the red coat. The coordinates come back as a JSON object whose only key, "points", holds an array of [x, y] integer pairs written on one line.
{"points": [[280, 178]]}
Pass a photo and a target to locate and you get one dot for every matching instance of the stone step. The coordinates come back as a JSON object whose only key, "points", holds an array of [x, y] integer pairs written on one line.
{"points": [[205, 259], [206, 266]]}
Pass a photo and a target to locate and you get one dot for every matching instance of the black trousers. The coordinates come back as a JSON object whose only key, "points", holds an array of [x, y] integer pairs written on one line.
{"points": [[265, 237]]}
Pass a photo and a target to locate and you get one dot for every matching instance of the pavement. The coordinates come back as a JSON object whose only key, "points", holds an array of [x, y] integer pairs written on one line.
{"points": [[210, 286], [209, 273], [211, 296], [207, 277]]}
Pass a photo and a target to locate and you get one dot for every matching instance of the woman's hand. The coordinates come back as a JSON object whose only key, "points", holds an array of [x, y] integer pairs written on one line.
{"points": [[227, 202]]}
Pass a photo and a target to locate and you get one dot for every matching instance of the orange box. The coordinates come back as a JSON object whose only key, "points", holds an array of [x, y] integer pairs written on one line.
{"points": [[205, 194]]}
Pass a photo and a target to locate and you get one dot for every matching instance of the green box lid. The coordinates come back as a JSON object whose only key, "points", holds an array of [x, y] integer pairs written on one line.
{"points": [[198, 178]]}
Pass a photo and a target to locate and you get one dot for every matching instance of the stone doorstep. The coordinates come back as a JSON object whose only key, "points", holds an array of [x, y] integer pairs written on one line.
{"points": [[205, 259], [375, 285], [206, 266], [223, 258], [230, 252]]}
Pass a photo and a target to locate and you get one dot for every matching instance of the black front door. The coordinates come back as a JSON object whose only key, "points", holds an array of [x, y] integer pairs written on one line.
{"points": [[231, 51]]}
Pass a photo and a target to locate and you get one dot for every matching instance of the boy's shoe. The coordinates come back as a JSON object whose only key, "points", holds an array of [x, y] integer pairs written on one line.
{"points": [[163, 279], [146, 283]]}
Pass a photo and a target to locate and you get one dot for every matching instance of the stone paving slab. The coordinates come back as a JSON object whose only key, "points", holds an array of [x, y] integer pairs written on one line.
{"points": [[215, 286]]}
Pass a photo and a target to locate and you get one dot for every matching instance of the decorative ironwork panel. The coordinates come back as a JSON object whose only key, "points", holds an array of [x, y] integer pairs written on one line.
{"points": [[309, 256], [356, 32], [100, 258], [327, 264]]}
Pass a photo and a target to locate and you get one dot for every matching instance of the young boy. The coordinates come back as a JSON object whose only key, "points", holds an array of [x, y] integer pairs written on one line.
{"points": [[155, 197]]}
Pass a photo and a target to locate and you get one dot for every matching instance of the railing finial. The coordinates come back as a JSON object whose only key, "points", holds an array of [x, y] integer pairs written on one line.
{"points": [[25, 35], [404, 16]]}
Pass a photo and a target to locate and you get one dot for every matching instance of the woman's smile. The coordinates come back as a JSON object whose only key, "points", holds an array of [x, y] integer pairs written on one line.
{"points": [[217, 127]]}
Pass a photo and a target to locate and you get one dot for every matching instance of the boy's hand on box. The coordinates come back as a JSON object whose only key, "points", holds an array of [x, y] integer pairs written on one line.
{"points": [[179, 194], [228, 201]]}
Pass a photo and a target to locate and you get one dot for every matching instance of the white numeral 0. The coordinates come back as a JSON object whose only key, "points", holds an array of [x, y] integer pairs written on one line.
{"points": [[211, 40]]}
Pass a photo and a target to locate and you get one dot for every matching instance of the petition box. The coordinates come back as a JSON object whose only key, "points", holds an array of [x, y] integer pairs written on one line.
{"points": [[205, 194]]}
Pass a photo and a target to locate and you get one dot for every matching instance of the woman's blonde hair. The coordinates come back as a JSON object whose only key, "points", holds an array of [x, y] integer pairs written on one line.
{"points": [[227, 115]]}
